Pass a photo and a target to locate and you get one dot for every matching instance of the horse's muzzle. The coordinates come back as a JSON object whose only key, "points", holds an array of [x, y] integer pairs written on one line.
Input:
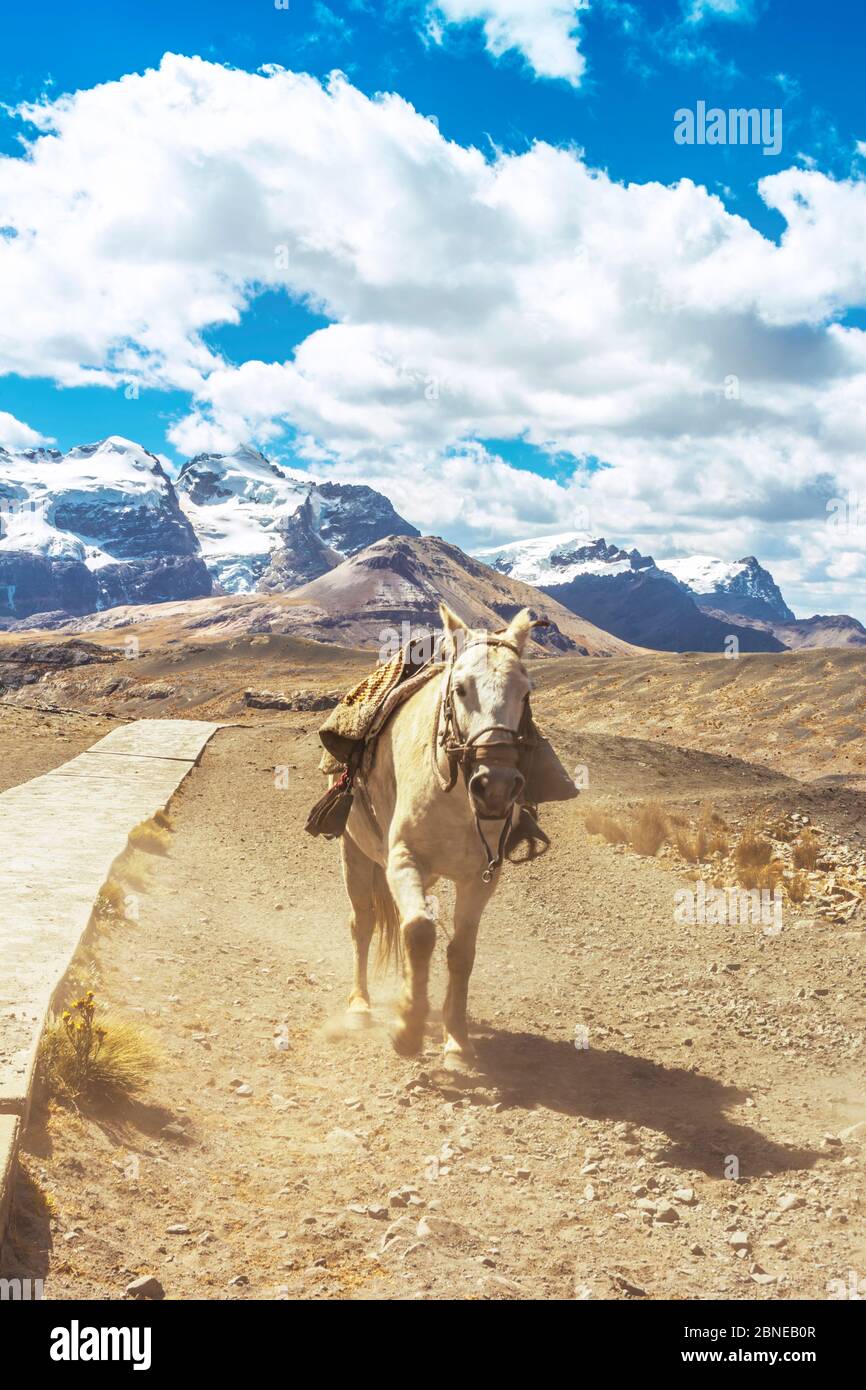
{"points": [[494, 790]]}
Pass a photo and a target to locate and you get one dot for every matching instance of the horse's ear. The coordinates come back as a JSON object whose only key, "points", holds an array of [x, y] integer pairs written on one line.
{"points": [[519, 628], [453, 628]]}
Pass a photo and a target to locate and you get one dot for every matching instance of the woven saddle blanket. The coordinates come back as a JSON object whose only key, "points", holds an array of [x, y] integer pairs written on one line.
{"points": [[365, 709]]}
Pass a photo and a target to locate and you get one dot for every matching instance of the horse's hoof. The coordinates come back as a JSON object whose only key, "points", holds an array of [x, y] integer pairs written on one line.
{"points": [[459, 1060], [356, 1019], [407, 1038]]}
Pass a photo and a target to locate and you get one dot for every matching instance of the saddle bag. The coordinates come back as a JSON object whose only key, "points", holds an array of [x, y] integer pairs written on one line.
{"points": [[546, 778], [331, 812]]}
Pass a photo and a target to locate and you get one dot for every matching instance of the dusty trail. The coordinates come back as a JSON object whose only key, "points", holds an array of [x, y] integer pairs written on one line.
{"points": [[33, 742], [345, 1171]]}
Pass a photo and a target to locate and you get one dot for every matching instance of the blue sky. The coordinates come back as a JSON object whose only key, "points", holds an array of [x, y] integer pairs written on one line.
{"points": [[643, 62], [600, 86]]}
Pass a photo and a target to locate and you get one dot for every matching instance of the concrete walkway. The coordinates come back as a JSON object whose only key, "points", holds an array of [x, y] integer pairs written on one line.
{"points": [[59, 836]]}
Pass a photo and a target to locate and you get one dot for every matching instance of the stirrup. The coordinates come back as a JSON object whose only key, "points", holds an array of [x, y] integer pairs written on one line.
{"points": [[526, 832]]}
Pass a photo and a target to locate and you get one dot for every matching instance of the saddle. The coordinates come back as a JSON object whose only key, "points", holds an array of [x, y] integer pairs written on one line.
{"points": [[351, 730], [349, 733]]}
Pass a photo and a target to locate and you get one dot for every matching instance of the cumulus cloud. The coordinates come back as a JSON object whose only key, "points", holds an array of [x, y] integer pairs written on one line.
{"points": [[544, 32], [524, 297], [14, 434]]}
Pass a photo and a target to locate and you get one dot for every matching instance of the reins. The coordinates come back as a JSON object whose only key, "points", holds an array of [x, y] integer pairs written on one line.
{"points": [[465, 753]]}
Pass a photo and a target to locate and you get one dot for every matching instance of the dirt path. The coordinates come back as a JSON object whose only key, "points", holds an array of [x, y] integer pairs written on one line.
{"points": [[338, 1170], [33, 741]]}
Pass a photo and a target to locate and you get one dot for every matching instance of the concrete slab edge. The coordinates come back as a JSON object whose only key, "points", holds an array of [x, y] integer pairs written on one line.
{"points": [[15, 1112]]}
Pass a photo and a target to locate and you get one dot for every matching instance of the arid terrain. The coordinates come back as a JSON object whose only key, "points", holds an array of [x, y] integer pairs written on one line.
{"points": [[662, 1109]]}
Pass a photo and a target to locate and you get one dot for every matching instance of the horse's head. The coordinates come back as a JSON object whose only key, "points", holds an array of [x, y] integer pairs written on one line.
{"points": [[488, 688]]}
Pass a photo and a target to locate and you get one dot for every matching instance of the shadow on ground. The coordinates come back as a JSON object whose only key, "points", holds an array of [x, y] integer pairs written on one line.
{"points": [[605, 1084], [27, 1246]]}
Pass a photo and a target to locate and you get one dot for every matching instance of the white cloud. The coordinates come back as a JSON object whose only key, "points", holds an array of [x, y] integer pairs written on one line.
{"points": [[698, 10], [14, 434], [529, 296], [545, 32]]}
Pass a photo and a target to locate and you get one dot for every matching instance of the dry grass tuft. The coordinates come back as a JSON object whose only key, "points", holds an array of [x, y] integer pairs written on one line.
{"points": [[649, 828], [708, 839], [614, 831], [761, 875], [150, 838], [806, 850], [85, 1059], [715, 831], [797, 887], [132, 875], [600, 823], [693, 848], [111, 900], [718, 845], [652, 825], [753, 851], [116, 902], [163, 820]]}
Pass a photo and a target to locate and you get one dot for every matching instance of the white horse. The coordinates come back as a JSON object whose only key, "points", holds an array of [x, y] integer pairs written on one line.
{"points": [[415, 819]]}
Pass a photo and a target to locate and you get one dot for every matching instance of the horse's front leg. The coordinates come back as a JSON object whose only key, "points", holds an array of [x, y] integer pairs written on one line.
{"points": [[418, 932], [359, 876], [473, 896]]}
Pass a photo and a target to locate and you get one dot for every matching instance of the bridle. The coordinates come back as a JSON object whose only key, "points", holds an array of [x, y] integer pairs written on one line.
{"points": [[464, 754]]}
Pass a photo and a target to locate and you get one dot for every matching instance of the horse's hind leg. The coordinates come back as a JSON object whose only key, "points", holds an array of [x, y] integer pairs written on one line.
{"points": [[418, 932], [358, 873], [472, 898]]}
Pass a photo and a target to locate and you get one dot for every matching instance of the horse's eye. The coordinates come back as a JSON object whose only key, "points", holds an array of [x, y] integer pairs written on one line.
{"points": [[460, 689]]}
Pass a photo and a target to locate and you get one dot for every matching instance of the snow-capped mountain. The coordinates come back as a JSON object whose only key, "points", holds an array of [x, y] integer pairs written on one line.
{"points": [[261, 526], [104, 525], [90, 529], [740, 586], [335, 522], [560, 559], [628, 594], [234, 503]]}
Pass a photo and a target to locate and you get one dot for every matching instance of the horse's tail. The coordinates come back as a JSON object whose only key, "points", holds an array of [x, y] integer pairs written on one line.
{"points": [[387, 919]]}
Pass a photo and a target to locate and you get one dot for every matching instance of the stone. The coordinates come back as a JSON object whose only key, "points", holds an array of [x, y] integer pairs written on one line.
{"points": [[789, 1201], [174, 1131], [148, 1286], [686, 1195], [440, 1228], [665, 1214], [306, 700]]}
